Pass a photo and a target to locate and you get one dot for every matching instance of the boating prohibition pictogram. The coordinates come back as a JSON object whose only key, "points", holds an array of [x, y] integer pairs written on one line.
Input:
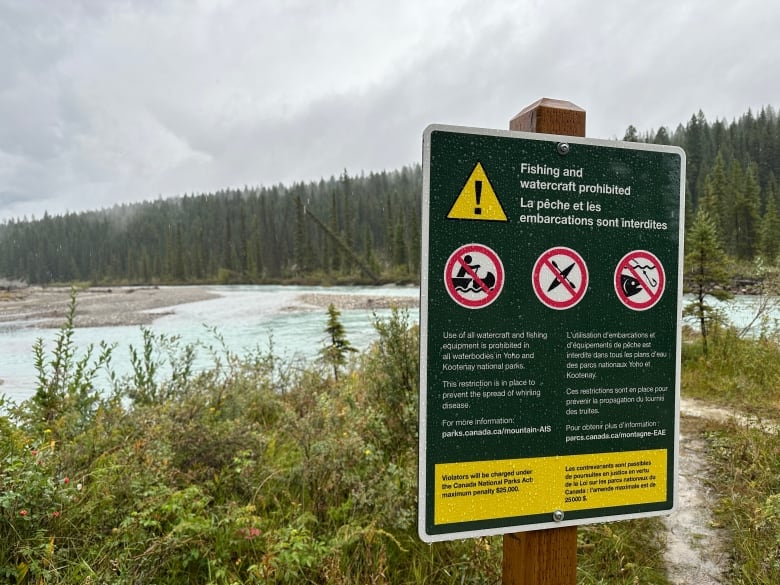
{"points": [[639, 280], [474, 276], [560, 278]]}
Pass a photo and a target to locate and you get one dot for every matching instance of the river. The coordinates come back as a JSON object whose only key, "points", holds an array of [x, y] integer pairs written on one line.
{"points": [[246, 317]]}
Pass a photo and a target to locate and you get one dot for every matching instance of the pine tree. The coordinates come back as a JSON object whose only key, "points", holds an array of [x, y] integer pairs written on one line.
{"points": [[731, 208], [241, 245], [705, 274], [228, 252], [368, 253], [335, 252], [696, 143], [178, 256], [334, 354], [716, 199], [662, 136], [631, 134], [769, 238], [299, 243], [348, 207], [747, 214], [400, 252]]}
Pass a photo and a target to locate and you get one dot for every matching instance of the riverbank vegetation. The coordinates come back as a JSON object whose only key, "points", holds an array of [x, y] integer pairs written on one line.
{"points": [[267, 471], [256, 471]]}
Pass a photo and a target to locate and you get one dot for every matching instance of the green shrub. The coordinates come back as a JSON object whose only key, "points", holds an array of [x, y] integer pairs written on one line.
{"points": [[256, 471], [65, 398]]}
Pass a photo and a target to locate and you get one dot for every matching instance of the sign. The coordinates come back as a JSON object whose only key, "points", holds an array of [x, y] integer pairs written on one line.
{"points": [[639, 280], [477, 200], [549, 331], [474, 276], [560, 278]]}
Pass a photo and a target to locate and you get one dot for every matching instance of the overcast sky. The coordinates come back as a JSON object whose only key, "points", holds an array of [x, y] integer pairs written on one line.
{"points": [[112, 101]]}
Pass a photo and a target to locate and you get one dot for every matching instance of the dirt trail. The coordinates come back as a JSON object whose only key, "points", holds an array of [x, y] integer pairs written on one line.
{"points": [[697, 551], [691, 407]]}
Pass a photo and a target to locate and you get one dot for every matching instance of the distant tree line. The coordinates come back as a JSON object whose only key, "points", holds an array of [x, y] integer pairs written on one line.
{"points": [[350, 229], [732, 177], [363, 228]]}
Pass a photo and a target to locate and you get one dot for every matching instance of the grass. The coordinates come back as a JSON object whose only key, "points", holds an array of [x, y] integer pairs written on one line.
{"points": [[743, 374], [739, 372], [626, 553], [749, 501]]}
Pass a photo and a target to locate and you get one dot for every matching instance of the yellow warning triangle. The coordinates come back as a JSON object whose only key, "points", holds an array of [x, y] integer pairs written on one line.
{"points": [[477, 200]]}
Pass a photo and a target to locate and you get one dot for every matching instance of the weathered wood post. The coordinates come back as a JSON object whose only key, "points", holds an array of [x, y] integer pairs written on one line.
{"points": [[549, 116], [544, 557]]}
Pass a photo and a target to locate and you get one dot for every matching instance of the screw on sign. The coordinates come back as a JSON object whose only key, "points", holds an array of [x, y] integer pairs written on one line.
{"points": [[639, 280], [560, 278], [474, 276]]}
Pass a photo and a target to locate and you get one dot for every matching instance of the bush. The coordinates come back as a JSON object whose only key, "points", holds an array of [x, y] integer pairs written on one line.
{"points": [[256, 471]]}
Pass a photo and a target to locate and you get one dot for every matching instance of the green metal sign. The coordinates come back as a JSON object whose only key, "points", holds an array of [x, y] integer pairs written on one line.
{"points": [[550, 320]]}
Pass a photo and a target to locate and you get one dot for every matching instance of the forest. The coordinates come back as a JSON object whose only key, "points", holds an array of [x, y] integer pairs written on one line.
{"points": [[356, 228], [364, 228]]}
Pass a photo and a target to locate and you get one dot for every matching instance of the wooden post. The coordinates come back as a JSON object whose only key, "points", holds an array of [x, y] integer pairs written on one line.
{"points": [[550, 117], [541, 557], [544, 557]]}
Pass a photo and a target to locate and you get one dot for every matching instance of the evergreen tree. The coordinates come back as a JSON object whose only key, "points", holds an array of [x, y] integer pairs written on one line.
{"points": [[178, 256], [400, 252], [335, 252], [299, 244], [731, 208], [389, 227], [415, 247], [769, 239], [371, 261], [716, 199], [631, 134], [254, 257], [705, 274], [241, 244], [662, 136], [747, 215], [696, 144], [348, 207], [338, 347], [228, 251]]}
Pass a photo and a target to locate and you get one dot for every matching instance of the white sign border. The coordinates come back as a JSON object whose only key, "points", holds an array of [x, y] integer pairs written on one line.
{"points": [[423, 339]]}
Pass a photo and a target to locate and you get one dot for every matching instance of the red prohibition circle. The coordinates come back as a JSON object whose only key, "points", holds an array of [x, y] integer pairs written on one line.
{"points": [[474, 276], [560, 278], [640, 280]]}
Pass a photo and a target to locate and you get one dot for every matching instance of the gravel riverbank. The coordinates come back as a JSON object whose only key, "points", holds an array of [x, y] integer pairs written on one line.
{"points": [[96, 307], [120, 306]]}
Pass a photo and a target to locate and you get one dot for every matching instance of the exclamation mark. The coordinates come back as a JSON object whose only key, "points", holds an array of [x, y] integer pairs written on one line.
{"points": [[478, 190]]}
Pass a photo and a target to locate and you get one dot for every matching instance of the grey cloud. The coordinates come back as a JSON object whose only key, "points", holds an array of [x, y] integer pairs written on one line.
{"points": [[120, 101]]}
